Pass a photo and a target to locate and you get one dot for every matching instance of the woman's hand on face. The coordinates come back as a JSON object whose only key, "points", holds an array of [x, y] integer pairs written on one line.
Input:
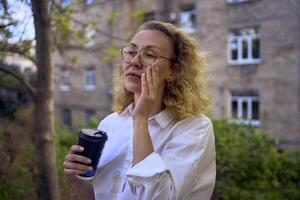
{"points": [[148, 95], [75, 164]]}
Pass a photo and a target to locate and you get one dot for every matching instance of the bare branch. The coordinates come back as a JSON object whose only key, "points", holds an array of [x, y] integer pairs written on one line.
{"points": [[5, 7], [16, 49], [8, 24], [79, 22], [18, 76], [109, 35]]}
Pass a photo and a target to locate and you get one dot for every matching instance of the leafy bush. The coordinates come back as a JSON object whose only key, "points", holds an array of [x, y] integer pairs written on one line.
{"points": [[17, 155], [64, 139], [250, 167]]}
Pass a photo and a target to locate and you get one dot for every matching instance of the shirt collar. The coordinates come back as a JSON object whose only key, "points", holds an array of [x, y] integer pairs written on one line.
{"points": [[128, 110], [162, 118]]}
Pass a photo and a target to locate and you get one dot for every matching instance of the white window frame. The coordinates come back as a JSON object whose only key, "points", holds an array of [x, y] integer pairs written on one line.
{"points": [[185, 22], [240, 100], [64, 3], [244, 35], [88, 2], [64, 85], [90, 80], [90, 36], [236, 1]]}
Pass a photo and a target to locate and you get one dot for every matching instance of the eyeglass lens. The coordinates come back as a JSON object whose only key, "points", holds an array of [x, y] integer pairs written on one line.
{"points": [[146, 56]]}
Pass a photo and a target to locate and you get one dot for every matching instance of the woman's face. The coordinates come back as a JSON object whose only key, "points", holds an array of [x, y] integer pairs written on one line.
{"points": [[146, 47]]}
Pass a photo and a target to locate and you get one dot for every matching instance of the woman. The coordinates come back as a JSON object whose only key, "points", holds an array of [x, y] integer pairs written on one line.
{"points": [[161, 145]]}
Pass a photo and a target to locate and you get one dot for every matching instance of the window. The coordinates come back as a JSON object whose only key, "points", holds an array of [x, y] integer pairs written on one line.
{"points": [[64, 2], [149, 16], [88, 114], [187, 18], [66, 117], [236, 1], [245, 108], [90, 83], [88, 2], [90, 36], [244, 46], [64, 80]]}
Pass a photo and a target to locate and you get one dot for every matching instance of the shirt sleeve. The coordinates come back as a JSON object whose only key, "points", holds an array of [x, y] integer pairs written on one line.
{"points": [[186, 165]]}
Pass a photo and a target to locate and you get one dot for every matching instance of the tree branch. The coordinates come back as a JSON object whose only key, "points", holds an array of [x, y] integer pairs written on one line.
{"points": [[5, 7], [16, 49], [8, 24], [18, 76], [107, 34]]}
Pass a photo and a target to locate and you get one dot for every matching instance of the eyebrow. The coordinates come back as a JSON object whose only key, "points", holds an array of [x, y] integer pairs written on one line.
{"points": [[146, 47]]}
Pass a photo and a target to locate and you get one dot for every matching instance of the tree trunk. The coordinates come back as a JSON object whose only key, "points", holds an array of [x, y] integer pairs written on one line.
{"points": [[47, 176]]}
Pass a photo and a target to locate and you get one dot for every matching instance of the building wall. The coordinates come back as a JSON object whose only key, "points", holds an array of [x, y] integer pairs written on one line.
{"points": [[276, 78]]}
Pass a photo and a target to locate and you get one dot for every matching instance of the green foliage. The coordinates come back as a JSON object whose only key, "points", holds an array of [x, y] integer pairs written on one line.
{"points": [[8, 81], [250, 167], [17, 154], [112, 17], [110, 53], [64, 139], [138, 16], [63, 26]]}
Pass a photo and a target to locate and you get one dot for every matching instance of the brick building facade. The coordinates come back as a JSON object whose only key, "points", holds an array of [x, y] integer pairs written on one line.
{"points": [[254, 60]]}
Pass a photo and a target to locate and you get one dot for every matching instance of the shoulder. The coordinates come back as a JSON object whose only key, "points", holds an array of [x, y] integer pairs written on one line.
{"points": [[193, 126], [108, 120], [200, 121]]}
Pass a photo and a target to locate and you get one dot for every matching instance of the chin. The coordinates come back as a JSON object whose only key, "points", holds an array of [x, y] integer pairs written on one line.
{"points": [[134, 88]]}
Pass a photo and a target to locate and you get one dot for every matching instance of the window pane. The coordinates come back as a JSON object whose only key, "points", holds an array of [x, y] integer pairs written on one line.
{"points": [[90, 78], [245, 49], [233, 47], [234, 109], [255, 48], [187, 17], [255, 110], [88, 114], [88, 1], [244, 110], [66, 117], [149, 16]]}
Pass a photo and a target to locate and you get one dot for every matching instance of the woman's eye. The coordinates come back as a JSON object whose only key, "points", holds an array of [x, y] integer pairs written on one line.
{"points": [[130, 52], [149, 55]]}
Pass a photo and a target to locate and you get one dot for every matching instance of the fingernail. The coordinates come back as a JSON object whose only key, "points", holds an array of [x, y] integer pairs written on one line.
{"points": [[90, 168], [88, 160], [81, 148]]}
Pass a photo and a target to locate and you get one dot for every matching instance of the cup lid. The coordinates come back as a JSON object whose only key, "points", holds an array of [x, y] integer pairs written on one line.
{"points": [[92, 132]]}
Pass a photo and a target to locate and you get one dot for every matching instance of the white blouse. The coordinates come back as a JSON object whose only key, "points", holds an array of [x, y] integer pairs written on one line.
{"points": [[182, 166]]}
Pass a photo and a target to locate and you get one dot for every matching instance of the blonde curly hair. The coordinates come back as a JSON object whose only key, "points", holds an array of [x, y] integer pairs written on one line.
{"points": [[186, 96]]}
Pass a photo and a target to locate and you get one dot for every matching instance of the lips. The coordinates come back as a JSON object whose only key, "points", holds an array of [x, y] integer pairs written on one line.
{"points": [[132, 74]]}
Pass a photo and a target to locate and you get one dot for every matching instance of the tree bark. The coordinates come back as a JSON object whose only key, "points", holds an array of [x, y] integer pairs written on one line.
{"points": [[48, 187]]}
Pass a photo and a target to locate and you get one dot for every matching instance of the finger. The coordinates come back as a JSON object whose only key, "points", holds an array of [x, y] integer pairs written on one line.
{"points": [[77, 158], [74, 171], [154, 72], [155, 76], [150, 81], [76, 148], [144, 85], [149, 74], [77, 166]]}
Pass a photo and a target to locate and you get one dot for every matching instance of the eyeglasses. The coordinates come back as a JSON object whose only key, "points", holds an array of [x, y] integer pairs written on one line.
{"points": [[146, 56]]}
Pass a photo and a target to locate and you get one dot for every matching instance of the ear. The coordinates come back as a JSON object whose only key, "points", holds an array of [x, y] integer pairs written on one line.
{"points": [[175, 71]]}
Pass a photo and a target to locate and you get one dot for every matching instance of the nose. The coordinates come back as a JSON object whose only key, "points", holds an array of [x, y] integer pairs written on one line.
{"points": [[136, 61]]}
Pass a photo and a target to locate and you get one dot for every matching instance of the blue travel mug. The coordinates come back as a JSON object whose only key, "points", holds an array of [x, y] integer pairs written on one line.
{"points": [[93, 141]]}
